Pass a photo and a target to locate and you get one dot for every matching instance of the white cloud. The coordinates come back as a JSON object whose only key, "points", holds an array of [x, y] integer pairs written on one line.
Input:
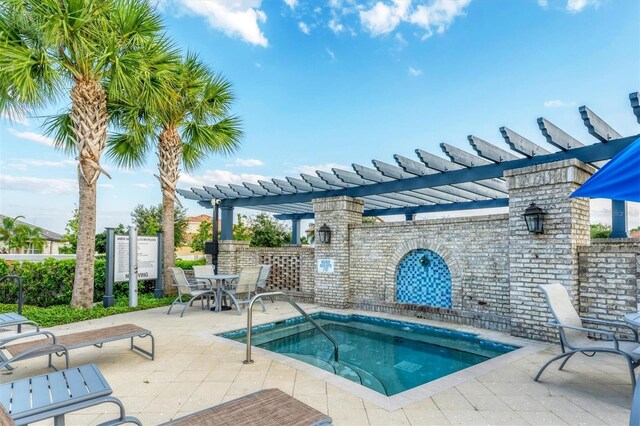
{"points": [[557, 103], [38, 185], [106, 185], [258, 65], [335, 26], [331, 54], [248, 162], [415, 72], [35, 137], [304, 28], [436, 15], [291, 3], [144, 185], [543, 3], [26, 163], [218, 177], [235, 18], [311, 169], [14, 118], [576, 6], [383, 18]]}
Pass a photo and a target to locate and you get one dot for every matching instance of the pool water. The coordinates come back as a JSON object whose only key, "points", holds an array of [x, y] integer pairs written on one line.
{"points": [[387, 356]]}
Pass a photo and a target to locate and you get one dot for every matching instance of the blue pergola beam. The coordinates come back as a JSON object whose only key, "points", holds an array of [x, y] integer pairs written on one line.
{"points": [[596, 126], [587, 154], [521, 144], [618, 219], [335, 182], [214, 193], [467, 205]]}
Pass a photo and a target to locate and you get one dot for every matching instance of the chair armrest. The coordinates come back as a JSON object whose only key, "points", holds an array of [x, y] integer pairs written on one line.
{"points": [[203, 282], [620, 324], [6, 340], [609, 334]]}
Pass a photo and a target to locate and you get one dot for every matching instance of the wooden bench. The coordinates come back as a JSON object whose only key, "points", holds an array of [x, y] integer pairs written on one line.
{"points": [[56, 394], [268, 407], [58, 344]]}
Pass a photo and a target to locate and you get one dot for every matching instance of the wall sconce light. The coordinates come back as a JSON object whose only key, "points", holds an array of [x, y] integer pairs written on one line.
{"points": [[324, 234], [534, 216]]}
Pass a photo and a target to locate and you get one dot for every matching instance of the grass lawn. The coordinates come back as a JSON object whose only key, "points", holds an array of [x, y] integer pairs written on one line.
{"points": [[63, 314]]}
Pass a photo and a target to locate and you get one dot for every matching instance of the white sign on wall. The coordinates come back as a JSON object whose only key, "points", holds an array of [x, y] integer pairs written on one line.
{"points": [[325, 266], [147, 258]]}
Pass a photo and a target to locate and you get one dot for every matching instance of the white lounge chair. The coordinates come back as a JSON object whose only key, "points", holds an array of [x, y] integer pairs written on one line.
{"points": [[243, 289], [574, 337], [188, 291]]}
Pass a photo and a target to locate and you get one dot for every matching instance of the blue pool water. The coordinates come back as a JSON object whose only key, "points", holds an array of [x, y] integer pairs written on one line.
{"points": [[387, 356]]}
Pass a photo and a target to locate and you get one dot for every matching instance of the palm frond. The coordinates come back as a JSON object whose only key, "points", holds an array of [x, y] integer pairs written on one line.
{"points": [[127, 149], [222, 138], [60, 127]]}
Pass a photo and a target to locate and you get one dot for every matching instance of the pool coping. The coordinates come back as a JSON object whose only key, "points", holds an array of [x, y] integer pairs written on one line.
{"points": [[418, 393]]}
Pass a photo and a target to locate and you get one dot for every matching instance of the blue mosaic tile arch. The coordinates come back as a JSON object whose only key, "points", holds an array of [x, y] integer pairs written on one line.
{"points": [[423, 278]]}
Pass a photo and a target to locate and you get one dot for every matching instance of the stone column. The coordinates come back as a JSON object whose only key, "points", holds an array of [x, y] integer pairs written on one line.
{"points": [[547, 258], [332, 288], [228, 257]]}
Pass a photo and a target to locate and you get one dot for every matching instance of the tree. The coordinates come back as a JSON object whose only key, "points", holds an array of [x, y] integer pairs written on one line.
{"points": [[203, 235], [33, 238], [100, 49], [101, 238], [194, 123], [268, 232], [599, 230], [70, 234], [20, 236], [243, 230], [148, 220]]}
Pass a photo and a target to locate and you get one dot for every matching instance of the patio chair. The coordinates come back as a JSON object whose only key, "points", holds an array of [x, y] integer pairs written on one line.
{"points": [[244, 287], [574, 337], [188, 291], [203, 270], [268, 407], [262, 279], [55, 394]]}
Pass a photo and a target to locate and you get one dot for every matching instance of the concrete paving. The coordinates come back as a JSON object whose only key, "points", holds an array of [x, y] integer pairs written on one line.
{"points": [[194, 369]]}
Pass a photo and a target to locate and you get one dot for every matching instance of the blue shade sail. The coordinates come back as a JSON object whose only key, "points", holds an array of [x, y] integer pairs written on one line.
{"points": [[619, 179]]}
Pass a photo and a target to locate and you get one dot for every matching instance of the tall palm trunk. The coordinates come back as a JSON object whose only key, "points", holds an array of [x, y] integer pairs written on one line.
{"points": [[169, 153], [89, 117]]}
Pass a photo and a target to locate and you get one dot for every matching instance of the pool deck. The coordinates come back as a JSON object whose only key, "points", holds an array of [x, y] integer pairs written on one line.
{"points": [[195, 369]]}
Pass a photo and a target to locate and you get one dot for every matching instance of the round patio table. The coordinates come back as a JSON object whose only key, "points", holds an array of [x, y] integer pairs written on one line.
{"points": [[219, 280]]}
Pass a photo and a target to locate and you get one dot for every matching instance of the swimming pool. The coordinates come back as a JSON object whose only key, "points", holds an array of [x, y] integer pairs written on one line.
{"points": [[385, 355]]}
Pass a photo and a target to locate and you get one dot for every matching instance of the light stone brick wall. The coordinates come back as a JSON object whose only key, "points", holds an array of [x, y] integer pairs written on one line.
{"points": [[475, 250], [550, 257], [609, 276], [338, 213]]}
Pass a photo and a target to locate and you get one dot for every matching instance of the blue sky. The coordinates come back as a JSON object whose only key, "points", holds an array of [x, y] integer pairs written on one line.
{"points": [[322, 84]]}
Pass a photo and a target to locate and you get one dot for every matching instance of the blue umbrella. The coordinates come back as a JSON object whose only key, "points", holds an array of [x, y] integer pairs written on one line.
{"points": [[619, 179]]}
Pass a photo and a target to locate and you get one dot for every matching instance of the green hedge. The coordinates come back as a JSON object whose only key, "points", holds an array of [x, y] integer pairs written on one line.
{"points": [[188, 264], [50, 282]]}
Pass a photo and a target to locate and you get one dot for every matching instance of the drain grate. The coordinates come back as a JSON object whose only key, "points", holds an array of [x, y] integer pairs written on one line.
{"points": [[407, 366]]}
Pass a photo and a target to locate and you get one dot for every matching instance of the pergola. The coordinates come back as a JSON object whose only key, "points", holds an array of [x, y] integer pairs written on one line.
{"points": [[428, 183]]}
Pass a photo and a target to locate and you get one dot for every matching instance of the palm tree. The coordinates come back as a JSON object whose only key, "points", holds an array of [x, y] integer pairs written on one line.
{"points": [[196, 122], [98, 48], [33, 238], [12, 233]]}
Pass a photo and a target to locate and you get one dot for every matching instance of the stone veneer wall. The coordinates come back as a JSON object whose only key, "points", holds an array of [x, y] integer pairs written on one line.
{"points": [[474, 248], [536, 259], [609, 276]]}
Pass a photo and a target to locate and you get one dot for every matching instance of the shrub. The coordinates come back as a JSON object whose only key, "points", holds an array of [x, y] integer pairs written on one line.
{"points": [[188, 264], [50, 282]]}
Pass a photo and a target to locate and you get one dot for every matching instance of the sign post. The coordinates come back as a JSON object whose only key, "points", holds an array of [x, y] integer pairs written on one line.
{"points": [[108, 299], [158, 293], [133, 266]]}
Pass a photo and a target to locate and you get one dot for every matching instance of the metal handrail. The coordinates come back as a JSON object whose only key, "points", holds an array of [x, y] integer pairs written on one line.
{"points": [[248, 359]]}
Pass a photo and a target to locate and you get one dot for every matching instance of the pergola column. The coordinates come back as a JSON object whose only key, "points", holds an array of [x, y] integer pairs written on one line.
{"points": [[295, 231], [618, 219], [409, 217], [227, 222]]}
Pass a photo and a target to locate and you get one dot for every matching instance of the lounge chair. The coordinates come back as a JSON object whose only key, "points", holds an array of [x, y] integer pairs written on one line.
{"points": [[56, 394], [268, 407], [574, 337], [10, 353], [262, 279], [188, 291], [244, 287], [13, 319]]}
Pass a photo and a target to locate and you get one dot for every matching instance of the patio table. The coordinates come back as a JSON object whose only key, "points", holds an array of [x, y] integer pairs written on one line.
{"points": [[219, 280]]}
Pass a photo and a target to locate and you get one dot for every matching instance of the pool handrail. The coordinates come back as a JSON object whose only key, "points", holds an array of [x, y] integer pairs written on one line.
{"points": [[248, 359]]}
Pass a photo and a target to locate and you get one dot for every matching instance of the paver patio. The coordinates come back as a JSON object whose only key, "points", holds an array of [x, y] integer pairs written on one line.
{"points": [[195, 369]]}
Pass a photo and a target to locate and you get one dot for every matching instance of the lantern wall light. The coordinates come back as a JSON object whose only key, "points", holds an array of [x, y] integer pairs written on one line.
{"points": [[324, 234], [534, 217]]}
